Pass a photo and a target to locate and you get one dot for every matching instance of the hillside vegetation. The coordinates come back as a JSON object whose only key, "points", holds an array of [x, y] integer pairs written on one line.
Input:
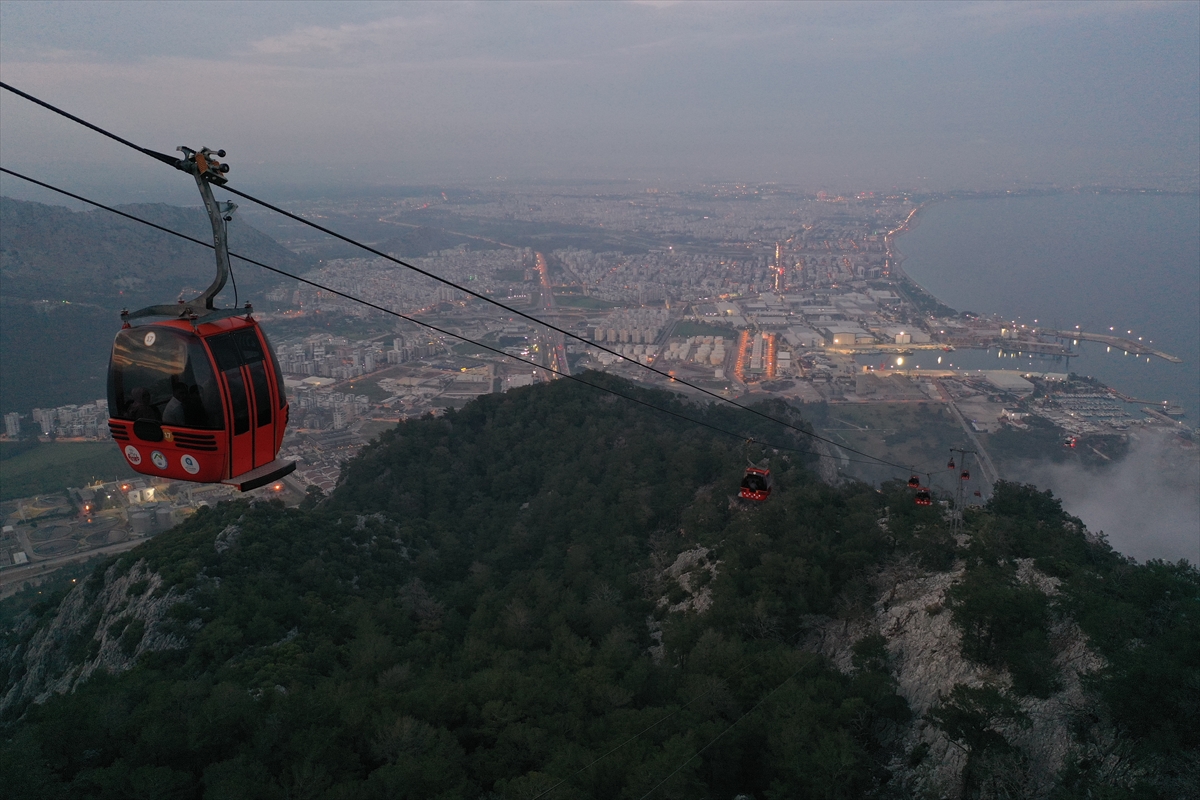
{"points": [[67, 275], [551, 593], [31, 467]]}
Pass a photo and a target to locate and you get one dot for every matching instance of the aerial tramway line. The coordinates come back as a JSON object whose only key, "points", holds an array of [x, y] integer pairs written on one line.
{"points": [[199, 396]]}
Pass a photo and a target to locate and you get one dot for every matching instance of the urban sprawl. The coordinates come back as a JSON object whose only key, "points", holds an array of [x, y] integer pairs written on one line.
{"points": [[749, 292]]}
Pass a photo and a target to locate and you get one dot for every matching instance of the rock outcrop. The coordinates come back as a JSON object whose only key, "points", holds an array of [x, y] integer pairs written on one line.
{"points": [[103, 627], [927, 663]]}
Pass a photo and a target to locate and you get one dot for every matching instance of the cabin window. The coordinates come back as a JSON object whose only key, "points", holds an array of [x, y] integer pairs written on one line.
{"points": [[164, 375]]}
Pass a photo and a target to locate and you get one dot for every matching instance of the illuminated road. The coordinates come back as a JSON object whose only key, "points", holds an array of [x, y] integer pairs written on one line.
{"points": [[553, 351], [889, 240]]}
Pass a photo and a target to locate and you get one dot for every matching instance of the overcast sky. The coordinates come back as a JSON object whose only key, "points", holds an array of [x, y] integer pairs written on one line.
{"points": [[840, 95]]}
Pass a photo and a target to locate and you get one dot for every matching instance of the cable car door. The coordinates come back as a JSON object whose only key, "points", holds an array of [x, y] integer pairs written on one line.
{"points": [[241, 362]]}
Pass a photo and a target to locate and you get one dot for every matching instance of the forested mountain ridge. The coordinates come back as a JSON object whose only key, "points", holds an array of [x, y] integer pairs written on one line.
{"points": [[552, 588], [65, 275], [54, 253]]}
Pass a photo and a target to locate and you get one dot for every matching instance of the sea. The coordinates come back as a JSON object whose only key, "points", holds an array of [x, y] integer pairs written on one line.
{"points": [[1123, 264]]}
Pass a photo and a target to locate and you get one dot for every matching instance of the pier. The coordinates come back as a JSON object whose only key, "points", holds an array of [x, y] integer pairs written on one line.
{"points": [[1127, 345], [1023, 346]]}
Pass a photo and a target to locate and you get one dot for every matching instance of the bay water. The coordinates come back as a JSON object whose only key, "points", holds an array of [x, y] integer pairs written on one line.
{"points": [[1121, 264]]}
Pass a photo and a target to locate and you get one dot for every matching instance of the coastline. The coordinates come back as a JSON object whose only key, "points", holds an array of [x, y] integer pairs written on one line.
{"points": [[916, 294], [1093, 359], [893, 254]]}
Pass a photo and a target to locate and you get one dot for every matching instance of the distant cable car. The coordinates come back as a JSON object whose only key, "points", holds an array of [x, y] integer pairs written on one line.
{"points": [[923, 497], [966, 475], [951, 464], [978, 493], [914, 482], [199, 396], [756, 484]]}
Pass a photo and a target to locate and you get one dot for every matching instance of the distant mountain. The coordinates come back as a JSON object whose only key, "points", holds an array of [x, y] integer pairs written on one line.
{"points": [[53, 253], [552, 592], [65, 276]]}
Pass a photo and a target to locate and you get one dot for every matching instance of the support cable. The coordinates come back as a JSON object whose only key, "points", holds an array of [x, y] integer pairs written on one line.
{"points": [[415, 321], [555, 328], [478, 295]]}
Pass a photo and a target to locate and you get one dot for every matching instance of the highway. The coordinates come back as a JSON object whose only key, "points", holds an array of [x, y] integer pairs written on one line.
{"points": [[553, 350]]}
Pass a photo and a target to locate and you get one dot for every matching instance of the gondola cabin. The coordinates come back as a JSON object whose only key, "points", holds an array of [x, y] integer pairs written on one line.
{"points": [[199, 396], [199, 402], [756, 484], [923, 497]]}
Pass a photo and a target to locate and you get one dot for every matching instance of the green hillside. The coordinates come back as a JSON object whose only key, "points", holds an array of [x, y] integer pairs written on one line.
{"points": [[55, 466], [68, 274], [549, 593]]}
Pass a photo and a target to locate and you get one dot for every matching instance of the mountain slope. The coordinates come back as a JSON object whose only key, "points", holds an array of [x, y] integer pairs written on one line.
{"points": [[53, 253], [66, 275], [552, 587]]}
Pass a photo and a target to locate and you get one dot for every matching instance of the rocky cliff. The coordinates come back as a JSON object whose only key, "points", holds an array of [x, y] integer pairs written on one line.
{"points": [[106, 623]]}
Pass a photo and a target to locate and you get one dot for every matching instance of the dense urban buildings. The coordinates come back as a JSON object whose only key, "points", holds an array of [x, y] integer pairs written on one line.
{"points": [[744, 291]]}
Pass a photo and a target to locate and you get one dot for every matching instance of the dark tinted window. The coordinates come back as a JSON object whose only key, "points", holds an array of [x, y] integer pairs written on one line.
{"points": [[262, 393], [237, 396], [278, 371], [231, 351], [163, 374], [225, 351], [754, 483], [236, 348], [248, 345]]}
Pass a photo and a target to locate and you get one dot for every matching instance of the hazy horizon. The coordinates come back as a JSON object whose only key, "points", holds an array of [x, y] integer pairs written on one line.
{"points": [[838, 96]]}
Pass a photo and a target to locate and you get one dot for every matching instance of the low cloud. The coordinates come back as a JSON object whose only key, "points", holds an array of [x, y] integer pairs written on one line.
{"points": [[393, 31], [1147, 505]]}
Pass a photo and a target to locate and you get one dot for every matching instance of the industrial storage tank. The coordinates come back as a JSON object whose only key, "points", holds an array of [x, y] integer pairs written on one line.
{"points": [[141, 523], [162, 517]]}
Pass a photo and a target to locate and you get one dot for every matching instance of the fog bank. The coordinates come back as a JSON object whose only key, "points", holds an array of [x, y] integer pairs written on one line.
{"points": [[1147, 505]]}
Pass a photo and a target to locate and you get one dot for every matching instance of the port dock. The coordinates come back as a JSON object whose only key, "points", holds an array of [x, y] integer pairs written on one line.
{"points": [[1127, 345]]}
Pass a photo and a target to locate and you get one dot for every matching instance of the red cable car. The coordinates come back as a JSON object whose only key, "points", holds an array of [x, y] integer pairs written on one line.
{"points": [[923, 497], [951, 464], [756, 484], [914, 482], [200, 396], [966, 475]]}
